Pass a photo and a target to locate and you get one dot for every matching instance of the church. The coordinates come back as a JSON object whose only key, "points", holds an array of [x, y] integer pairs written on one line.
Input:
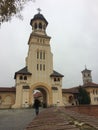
{"points": [[39, 75]]}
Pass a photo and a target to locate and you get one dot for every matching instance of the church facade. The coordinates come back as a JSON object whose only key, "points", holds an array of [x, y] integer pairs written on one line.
{"points": [[38, 74]]}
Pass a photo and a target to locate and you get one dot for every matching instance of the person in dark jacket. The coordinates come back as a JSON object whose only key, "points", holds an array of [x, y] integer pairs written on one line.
{"points": [[36, 106]]}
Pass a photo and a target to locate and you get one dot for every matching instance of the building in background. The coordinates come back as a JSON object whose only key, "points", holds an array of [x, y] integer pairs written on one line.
{"points": [[70, 96]]}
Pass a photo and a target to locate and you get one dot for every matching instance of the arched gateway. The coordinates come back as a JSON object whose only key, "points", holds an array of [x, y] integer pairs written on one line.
{"points": [[38, 72], [46, 92]]}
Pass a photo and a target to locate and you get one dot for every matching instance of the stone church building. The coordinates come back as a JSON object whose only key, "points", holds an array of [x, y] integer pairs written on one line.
{"points": [[38, 74]]}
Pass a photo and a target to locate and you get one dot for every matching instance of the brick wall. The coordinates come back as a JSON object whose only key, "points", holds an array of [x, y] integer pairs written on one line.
{"points": [[91, 110]]}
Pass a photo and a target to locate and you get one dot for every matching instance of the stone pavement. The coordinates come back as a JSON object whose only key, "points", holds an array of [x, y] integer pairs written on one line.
{"points": [[48, 119], [62, 119], [91, 120], [15, 119]]}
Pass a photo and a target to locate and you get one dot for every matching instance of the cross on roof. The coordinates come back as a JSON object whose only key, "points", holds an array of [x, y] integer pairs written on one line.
{"points": [[39, 10], [85, 67]]}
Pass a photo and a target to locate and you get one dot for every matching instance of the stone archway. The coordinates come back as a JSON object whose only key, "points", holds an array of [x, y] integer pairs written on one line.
{"points": [[44, 96], [45, 90]]}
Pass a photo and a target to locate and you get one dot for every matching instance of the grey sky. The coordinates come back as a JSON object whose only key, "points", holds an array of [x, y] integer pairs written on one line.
{"points": [[73, 26]]}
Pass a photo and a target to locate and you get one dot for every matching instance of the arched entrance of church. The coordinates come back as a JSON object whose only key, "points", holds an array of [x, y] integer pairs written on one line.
{"points": [[45, 96], [41, 94]]}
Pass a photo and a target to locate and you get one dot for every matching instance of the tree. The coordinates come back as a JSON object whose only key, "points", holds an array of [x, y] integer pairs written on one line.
{"points": [[83, 96], [10, 8]]}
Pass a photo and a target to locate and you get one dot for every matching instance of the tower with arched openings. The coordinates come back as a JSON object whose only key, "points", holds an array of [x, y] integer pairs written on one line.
{"points": [[86, 75], [38, 74]]}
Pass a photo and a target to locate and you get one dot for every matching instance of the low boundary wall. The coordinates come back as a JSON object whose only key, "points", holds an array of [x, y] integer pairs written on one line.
{"points": [[91, 110]]}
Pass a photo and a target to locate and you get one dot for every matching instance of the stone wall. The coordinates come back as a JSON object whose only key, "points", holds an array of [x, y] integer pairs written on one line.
{"points": [[91, 110], [7, 99]]}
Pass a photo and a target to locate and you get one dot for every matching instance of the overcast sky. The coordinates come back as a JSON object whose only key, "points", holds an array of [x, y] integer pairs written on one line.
{"points": [[73, 27]]}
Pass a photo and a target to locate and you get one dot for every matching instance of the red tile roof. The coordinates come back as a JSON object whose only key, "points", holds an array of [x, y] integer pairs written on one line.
{"points": [[90, 84], [7, 89], [71, 90], [75, 89]]}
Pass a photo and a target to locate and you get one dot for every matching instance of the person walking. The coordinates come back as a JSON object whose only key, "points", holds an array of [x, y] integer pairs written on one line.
{"points": [[36, 106]]}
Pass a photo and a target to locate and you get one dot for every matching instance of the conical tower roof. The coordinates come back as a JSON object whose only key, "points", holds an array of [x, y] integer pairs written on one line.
{"points": [[39, 17]]}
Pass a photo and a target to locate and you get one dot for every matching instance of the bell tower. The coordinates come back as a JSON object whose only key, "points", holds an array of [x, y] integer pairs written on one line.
{"points": [[39, 23], [38, 72], [86, 75], [40, 59]]}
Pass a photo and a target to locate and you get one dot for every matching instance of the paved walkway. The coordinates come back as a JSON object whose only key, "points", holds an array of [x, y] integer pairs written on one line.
{"points": [[16, 119], [48, 119], [91, 120], [61, 119]]}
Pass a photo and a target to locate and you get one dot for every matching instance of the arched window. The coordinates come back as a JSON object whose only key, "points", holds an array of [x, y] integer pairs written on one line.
{"points": [[54, 79], [70, 99], [21, 77], [35, 25], [93, 91], [58, 79], [40, 54], [25, 77], [40, 66], [43, 54], [37, 54], [44, 67], [40, 25]]}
